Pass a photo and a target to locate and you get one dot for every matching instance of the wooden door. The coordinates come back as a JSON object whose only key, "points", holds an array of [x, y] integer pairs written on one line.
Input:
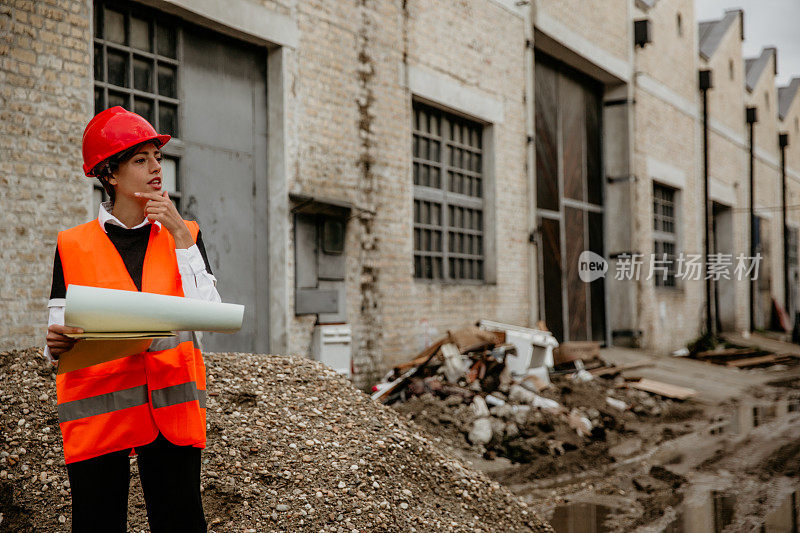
{"points": [[569, 199]]}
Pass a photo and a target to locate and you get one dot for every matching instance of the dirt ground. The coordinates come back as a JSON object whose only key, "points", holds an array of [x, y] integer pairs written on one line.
{"points": [[292, 446], [658, 466]]}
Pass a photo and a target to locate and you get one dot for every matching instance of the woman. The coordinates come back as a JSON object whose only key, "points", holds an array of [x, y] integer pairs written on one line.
{"points": [[151, 403]]}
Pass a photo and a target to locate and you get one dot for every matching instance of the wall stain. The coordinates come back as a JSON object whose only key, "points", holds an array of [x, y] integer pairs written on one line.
{"points": [[367, 354]]}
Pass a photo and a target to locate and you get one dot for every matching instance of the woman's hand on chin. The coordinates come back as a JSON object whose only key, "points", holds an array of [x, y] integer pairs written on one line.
{"points": [[159, 208]]}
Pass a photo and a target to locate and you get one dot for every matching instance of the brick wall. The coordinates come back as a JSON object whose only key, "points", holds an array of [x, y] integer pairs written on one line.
{"points": [[768, 182], [728, 154], [669, 317], [604, 23], [671, 57], [726, 99], [666, 132], [45, 100], [480, 45], [349, 137], [352, 119], [791, 126]]}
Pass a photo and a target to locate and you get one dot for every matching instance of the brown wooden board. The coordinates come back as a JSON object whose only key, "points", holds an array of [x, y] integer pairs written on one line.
{"points": [[573, 350], [472, 339], [423, 357], [726, 352], [547, 192], [752, 361], [662, 389], [758, 361], [611, 370], [577, 312], [551, 271]]}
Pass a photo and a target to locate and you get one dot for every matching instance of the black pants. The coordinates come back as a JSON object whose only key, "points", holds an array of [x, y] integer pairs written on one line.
{"points": [[170, 478]]}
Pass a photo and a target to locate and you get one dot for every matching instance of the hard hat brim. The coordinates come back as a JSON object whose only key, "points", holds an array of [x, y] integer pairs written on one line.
{"points": [[161, 139]]}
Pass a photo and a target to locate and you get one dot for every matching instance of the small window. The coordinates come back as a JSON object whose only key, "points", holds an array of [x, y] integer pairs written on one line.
{"points": [[333, 235], [136, 66], [679, 24], [766, 99], [730, 68], [448, 196], [664, 233], [796, 124]]}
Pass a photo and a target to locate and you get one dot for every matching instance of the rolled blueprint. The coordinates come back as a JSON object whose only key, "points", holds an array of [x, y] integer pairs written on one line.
{"points": [[110, 310]]}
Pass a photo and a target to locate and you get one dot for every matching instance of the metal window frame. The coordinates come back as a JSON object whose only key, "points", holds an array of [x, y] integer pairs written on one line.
{"points": [[662, 236], [446, 199], [175, 149]]}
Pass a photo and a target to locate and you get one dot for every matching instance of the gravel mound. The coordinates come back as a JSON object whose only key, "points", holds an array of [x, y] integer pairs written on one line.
{"points": [[292, 446]]}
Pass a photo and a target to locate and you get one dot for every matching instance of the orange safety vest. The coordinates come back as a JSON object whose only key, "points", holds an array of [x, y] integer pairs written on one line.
{"points": [[124, 403]]}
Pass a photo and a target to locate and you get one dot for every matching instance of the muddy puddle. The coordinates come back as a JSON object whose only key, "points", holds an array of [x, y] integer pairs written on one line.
{"points": [[748, 416], [580, 517], [709, 497], [718, 510], [713, 512]]}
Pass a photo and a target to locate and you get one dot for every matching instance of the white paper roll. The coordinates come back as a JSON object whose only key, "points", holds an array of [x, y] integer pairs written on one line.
{"points": [[96, 310]]}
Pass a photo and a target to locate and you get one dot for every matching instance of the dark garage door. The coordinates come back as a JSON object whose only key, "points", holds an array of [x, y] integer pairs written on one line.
{"points": [[209, 92], [569, 197], [224, 120]]}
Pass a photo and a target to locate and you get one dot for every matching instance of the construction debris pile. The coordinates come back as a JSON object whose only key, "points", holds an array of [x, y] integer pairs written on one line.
{"points": [[473, 389], [291, 446]]}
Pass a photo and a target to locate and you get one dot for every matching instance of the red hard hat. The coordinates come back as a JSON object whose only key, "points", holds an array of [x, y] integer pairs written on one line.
{"points": [[112, 131]]}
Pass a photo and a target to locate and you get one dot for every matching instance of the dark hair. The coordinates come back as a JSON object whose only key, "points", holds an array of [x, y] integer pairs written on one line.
{"points": [[107, 167]]}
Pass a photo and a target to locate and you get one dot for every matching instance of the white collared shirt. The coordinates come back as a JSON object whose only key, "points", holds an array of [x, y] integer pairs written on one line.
{"points": [[196, 281]]}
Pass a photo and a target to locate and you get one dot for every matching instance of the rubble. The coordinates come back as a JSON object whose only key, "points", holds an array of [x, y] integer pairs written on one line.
{"points": [[584, 430], [579, 409], [291, 446]]}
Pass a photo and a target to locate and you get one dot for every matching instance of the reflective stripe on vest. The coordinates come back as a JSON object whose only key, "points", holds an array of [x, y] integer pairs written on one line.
{"points": [[102, 404], [123, 399], [124, 403], [167, 343], [185, 392]]}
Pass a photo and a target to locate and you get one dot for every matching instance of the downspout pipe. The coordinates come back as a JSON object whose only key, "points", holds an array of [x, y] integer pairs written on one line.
{"points": [[705, 82], [783, 142], [752, 117], [535, 301]]}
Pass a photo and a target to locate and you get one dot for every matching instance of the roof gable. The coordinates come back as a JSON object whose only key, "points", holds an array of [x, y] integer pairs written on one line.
{"points": [[754, 67], [786, 96], [711, 32], [644, 5]]}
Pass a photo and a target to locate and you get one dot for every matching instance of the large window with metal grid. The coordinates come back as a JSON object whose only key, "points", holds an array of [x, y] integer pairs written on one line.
{"points": [[664, 235], [136, 66], [448, 196]]}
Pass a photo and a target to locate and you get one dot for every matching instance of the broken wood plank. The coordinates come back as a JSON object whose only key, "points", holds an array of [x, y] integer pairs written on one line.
{"points": [[472, 339], [611, 370], [752, 361], [728, 352], [574, 350], [383, 394], [422, 358], [771, 359], [662, 389]]}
